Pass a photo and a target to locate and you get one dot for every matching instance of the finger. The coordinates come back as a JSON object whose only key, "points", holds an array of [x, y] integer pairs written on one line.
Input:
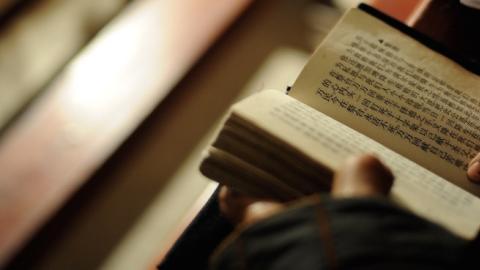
{"points": [[260, 210], [233, 204], [362, 176], [243, 209], [473, 171]]}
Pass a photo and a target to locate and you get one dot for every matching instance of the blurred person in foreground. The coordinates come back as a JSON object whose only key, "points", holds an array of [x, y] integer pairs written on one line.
{"points": [[356, 226]]}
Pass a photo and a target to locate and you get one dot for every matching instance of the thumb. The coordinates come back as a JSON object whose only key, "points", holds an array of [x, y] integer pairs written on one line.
{"points": [[473, 172], [362, 176]]}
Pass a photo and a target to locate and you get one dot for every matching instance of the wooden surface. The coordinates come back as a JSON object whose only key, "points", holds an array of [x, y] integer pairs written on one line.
{"points": [[95, 103], [402, 10], [37, 38]]}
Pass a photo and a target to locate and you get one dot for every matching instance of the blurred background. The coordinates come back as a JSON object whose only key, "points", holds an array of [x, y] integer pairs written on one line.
{"points": [[106, 106]]}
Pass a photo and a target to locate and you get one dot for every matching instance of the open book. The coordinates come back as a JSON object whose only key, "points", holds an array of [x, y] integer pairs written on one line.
{"points": [[368, 88]]}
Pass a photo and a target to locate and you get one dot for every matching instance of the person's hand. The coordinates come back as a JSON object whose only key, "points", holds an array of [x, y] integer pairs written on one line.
{"points": [[473, 172], [360, 176]]}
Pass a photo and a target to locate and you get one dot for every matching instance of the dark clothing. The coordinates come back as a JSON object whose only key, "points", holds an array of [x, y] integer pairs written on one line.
{"points": [[197, 242], [354, 233]]}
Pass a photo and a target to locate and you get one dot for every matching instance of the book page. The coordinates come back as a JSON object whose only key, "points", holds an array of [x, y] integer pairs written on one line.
{"points": [[329, 142], [398, 92]]}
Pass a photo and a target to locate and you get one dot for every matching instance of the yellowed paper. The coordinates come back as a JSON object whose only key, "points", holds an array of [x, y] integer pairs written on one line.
{"points": [[393, 89], [329, 142]]}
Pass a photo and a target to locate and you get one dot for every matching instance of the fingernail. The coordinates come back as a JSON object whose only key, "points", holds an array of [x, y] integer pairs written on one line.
{"points": [[474, 172]]}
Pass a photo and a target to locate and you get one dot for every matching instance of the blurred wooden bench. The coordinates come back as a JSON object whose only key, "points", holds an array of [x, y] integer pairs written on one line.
{"points": [[88, 110]]}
